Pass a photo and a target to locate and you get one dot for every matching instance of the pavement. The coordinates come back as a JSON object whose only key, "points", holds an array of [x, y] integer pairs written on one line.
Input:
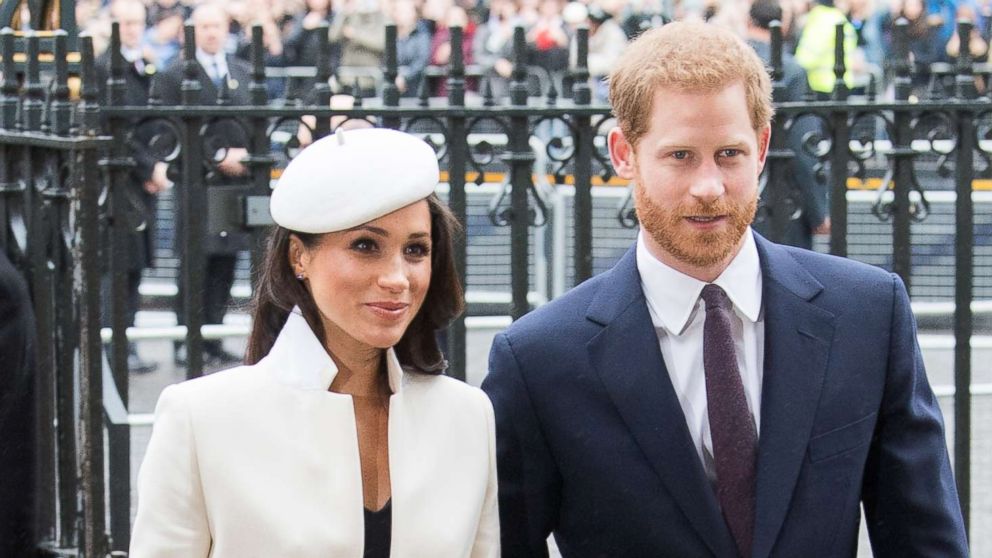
{"points": [[938, 358]]}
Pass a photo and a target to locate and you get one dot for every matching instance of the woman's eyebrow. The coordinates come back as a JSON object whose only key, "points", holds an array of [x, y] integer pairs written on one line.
{"points": [[374, 230]]}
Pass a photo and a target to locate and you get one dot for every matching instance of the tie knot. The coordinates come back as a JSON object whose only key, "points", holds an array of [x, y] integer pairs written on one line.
{"points": [[715, 297]]}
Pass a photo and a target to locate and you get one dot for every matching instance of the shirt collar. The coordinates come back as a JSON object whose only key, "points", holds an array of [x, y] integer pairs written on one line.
{"points": [[207, 61], [672, 295], [300, 360], [131, 54]]}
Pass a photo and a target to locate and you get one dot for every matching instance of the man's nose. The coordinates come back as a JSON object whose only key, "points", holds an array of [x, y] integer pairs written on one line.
{"points": [[707, 182]]}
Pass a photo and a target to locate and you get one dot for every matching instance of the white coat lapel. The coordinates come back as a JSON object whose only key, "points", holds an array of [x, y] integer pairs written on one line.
{"points": [[304, 362]]}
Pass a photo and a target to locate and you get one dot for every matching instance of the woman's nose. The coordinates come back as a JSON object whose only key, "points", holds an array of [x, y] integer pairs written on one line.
{"points": [[394, 278]]}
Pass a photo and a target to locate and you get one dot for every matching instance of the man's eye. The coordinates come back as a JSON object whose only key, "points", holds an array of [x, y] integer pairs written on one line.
{"points": [[731, 152], [680, 155]]}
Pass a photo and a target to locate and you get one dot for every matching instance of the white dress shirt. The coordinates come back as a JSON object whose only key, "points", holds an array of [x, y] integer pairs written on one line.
{"points": [[214, 64], [678, 313]]}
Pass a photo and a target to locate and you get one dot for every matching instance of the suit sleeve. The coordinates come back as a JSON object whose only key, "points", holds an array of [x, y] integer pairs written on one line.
{"points": [[172, 517], [487, 538], [529, 482], [911, 503]]}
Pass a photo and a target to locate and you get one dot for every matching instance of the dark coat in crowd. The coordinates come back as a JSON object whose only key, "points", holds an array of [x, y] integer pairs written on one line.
{"points": [[221, 243], [301, 47], [138, 205], [18, 459], [809, 190], [219, 135]]}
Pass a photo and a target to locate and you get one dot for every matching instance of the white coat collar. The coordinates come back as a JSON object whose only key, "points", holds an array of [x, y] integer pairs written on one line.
{"points": [[298, 359]]}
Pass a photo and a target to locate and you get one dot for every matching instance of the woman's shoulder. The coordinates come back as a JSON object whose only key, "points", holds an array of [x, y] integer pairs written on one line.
{"points": [[222, 384], [437, 386]]}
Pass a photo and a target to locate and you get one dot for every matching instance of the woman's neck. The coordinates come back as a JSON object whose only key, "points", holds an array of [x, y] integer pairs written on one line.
{"points": [[360, 372]]}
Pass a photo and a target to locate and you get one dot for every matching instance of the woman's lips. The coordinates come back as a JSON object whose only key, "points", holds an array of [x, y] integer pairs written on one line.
{"points": [[388, 310]]}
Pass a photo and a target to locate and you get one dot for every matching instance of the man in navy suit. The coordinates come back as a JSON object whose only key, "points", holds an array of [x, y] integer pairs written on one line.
{"points": [[715, 394]]}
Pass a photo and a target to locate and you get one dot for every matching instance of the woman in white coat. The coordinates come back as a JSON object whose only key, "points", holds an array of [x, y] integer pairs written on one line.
{"points": [[340, 437]]}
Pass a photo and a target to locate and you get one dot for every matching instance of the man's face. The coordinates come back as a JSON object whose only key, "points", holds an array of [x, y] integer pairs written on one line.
{"points": [[211, 27], [131, 17], [696, 177]]}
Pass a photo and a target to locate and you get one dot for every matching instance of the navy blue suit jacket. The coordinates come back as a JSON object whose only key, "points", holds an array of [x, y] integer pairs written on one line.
{"points": [[593, 446]]}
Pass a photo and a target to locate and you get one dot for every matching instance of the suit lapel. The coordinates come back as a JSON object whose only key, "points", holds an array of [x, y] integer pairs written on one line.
{"points": [[208, 91], [628, 360], [798, 335]]}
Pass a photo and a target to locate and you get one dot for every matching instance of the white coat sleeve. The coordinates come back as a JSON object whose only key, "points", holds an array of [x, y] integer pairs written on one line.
{"points": [[487, 538], [172, 518]]}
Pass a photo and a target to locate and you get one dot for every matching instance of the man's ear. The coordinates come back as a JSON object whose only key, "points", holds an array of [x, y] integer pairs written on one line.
{"points": [[764, 137], [621, 154]]}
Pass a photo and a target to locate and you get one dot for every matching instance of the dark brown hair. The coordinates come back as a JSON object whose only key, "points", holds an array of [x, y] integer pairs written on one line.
{"points": [[277, 291]]}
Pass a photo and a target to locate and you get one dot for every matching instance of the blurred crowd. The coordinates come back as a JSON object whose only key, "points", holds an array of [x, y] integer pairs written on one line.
{"points": [[356, 34]]}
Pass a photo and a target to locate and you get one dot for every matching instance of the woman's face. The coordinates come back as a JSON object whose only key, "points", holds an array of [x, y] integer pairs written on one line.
{"points": [[370, 281]]}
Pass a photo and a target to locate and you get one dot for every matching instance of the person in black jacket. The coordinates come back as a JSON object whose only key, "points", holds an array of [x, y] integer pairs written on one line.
{"points": [[302, 45], [810, 190], [18, 460], [227, 142], [147, 178]]}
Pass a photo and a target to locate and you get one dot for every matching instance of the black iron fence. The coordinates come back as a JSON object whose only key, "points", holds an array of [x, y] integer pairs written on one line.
{"points": [[65, 167]]}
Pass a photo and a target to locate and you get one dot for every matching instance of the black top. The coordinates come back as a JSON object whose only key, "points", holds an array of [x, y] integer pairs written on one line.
{"points": [[378, 529]]}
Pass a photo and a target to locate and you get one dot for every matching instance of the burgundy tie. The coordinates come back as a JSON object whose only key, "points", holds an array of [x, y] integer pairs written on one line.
{"points": [[735, 439]]}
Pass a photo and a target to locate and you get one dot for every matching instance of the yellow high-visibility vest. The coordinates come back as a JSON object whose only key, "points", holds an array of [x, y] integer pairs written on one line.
{"points": [[815, 51]]}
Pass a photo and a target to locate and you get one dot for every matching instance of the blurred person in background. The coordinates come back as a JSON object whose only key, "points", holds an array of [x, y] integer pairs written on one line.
{"points": [[977, 45], [941, 15], [93, 19], [492, 46], [413, 47], [815, 51], [227, 142], [923, 35], [732, 14], [635, 16], [606, 43], [155, 7], [548, 39], [136, 213], [302, 44], [455, 16], [359, 30], [811, 192], [866, 18], [163, 38], [268, 15]]}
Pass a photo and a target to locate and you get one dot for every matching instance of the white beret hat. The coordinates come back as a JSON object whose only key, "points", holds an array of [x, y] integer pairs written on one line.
{"points": [[353, 177]]}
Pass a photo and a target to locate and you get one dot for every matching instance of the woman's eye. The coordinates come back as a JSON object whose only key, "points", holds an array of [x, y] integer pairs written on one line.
{"points": [[418, 250], [364, 245]]}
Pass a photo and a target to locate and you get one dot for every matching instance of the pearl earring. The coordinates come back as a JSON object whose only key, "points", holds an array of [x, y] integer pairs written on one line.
{"points": [[299, 276]]}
